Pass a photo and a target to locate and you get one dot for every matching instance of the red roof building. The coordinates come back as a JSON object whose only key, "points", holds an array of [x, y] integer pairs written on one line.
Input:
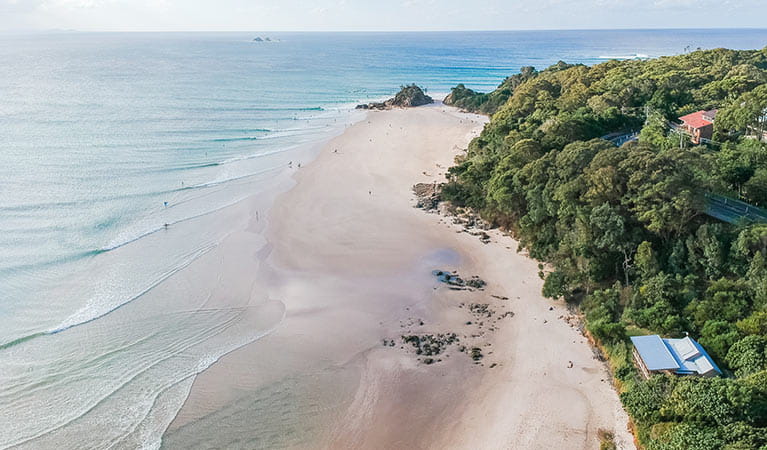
{"points": [[700, 125]]}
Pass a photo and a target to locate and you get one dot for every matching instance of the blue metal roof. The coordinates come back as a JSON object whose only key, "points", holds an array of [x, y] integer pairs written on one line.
{"points": [[708, 358], [654, 353], [684, 356], [691, 356]]}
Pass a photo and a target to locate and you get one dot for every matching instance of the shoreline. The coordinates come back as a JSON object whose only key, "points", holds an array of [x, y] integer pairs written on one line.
{"points": [[352, 259]]}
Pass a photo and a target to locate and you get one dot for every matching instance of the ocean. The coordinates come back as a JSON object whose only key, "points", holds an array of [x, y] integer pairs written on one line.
{"points": [[121, 157]]}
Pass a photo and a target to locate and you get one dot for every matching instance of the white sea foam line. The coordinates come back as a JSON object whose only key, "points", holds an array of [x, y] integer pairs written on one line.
{"points": [[11, 389], [78, 317], [122, 241], [204, 363], [233, 348], [154, 442], [635, 56], [260, 154], [250, 339], [118, 243], [183, 346]]}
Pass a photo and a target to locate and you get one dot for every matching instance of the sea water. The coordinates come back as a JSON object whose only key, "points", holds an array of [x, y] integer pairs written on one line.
{"points": [[121, 156]]}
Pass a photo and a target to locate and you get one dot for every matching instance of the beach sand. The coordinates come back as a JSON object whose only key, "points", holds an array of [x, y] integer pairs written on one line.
{"points": [[351, 260]]}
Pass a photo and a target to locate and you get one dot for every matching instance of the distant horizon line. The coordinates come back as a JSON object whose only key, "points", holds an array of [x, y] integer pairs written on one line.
{"points": [[66, 30]]}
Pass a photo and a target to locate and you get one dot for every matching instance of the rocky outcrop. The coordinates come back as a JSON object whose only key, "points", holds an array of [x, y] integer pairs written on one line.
{"points": [[457, 283], [427, 195], [408, 97], [411, 96], [457, 94]]}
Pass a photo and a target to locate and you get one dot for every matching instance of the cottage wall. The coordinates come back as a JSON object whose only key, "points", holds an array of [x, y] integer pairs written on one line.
{"points": [[640, 363]]}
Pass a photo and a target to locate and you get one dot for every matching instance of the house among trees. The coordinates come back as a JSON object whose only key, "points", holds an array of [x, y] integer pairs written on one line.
{"points": [[685, 356], [699, 125], [759, 129]]}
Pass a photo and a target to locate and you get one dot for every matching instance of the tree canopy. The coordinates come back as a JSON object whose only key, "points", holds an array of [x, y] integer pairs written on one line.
{"points": [[625, 227]]}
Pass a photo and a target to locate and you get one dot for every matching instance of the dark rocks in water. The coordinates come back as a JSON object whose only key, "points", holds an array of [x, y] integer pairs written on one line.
{"points": [[442, 276], [258, 39], [408, 97], [457, 283], [375, 105]]}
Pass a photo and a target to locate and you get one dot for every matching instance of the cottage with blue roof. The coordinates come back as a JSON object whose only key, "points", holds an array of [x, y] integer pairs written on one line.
{"points": [[685, 356]]}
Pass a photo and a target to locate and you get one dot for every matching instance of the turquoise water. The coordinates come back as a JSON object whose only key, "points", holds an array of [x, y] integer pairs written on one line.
{"points": [[121, 155]]}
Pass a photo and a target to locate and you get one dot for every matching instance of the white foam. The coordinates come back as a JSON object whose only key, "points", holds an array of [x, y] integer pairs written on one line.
{"points": [[103, 305]]}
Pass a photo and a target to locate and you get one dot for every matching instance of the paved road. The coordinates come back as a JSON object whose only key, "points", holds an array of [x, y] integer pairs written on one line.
{"points": [[621, 139], [733, 211]]}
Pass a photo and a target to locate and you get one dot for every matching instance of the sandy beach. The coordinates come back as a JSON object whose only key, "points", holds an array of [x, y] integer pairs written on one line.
{"points": [[348, 260]]}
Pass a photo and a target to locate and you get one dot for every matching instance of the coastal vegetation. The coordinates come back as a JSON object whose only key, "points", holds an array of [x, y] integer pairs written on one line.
{"points": [[625, 229]]}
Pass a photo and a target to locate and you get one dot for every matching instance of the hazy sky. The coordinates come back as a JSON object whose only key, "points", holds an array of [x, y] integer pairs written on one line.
{"points": [[270, 15]]}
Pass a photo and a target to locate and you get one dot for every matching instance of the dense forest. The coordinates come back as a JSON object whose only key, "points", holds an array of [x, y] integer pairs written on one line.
{"points": [[625, 229]]}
